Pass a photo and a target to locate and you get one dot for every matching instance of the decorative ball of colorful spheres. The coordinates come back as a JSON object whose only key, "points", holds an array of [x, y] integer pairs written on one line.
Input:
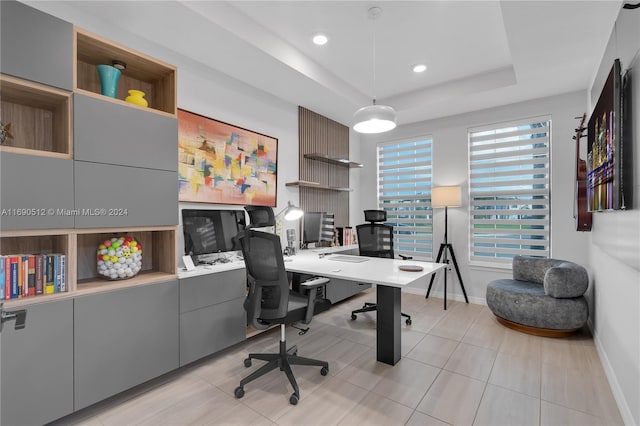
{"points": [[119, 258]]}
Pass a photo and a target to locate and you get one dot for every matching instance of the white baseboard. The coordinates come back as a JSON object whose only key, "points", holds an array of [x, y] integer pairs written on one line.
{"points": [[440, 295], [618, 395]]}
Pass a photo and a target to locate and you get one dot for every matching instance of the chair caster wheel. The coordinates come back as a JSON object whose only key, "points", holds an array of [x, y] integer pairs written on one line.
{"points": [[293, 399], [247, 362], [239, 392], [324, 371], [354, 316], [408, 321]]}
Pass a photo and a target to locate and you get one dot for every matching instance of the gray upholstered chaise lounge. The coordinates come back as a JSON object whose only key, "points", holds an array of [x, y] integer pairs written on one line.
{"points": [[545, 296]]}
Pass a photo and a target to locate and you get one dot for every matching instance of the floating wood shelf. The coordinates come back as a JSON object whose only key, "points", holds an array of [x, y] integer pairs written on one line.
{"points": [[337, 161], [307, 184]]}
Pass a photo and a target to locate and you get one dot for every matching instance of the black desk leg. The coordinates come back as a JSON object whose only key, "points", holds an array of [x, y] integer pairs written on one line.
{"points": [[388, 324]]}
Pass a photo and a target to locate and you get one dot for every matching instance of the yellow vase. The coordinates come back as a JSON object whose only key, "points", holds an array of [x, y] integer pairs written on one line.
{"points": [[137, 97]]}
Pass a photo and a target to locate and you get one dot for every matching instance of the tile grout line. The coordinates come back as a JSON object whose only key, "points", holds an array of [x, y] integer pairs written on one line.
{"points": [[540, 386], [486, 384]]}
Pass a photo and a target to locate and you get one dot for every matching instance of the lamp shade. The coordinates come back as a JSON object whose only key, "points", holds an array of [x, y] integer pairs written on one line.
{"points": [[374, 119], [291, 212], [446, 196]]}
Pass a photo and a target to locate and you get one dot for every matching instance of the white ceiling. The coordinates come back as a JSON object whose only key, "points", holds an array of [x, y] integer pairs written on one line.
{"points": [[479, 53]]}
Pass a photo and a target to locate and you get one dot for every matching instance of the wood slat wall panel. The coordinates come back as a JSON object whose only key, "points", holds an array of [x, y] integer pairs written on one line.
{"points": [[319, 200], [319, 134]]}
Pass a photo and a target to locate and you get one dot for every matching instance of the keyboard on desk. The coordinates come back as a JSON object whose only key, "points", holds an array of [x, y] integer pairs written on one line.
{"points": [[215, 261], [352, 259]]}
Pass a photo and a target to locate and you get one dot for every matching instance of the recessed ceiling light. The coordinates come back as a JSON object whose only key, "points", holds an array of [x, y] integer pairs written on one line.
{"points": [[419, 68], [320, 39]]}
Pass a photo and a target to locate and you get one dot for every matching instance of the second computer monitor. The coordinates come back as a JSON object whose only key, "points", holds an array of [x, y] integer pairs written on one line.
{"points": [[317, 227]]}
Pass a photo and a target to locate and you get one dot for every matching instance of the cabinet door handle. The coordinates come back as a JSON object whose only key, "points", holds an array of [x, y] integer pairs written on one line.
{"points": [[20, 316]]}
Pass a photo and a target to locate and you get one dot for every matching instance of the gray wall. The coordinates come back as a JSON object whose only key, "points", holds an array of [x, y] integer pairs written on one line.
{"points": [[614, 247]]}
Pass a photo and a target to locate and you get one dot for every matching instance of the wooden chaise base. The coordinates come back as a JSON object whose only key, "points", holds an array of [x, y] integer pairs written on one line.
{"points": [[544, 332]]}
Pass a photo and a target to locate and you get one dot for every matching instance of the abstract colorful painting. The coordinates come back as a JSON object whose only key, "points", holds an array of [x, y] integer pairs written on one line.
{"points": [[224, 164]]}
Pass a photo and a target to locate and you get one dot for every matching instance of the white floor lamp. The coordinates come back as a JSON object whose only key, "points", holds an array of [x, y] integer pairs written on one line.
{"points": [[446, 196]]}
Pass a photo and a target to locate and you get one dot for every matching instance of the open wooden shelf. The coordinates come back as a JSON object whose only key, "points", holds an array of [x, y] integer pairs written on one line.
{"points": [[158, 256], [88, 286], [79, 246], [27, 243], [307, 184], [304, 183], [336, 161], [33, 244], [155, 78], [40, 118]]}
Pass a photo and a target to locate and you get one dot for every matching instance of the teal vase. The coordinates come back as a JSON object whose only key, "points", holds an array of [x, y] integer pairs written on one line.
{"points": [[109, 77]]}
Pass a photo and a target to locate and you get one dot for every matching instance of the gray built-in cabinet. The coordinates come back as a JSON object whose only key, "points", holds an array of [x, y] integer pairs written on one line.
{"points": [[99, 339], [35, 46], [125, 164], [37, 365], [130, 196], [123, 338], [39, 185], [105, 132], [212, 316]]}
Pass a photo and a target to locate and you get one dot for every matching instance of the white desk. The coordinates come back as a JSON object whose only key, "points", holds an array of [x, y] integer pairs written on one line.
{"points": [[238, 263], [389, 280]]}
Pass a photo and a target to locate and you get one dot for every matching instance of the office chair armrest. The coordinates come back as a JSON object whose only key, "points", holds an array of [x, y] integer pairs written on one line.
{"points": [[403, 257], [311, 285], [252, 307], [314, 283]]}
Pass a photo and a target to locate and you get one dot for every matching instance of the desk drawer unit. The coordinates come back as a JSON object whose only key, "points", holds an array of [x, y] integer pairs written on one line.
{"points": [[212, 315], [338, 289]]}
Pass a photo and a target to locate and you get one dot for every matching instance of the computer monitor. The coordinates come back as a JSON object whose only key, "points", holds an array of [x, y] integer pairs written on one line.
{"points": [[311, 226], [211, 231], [232, 221], [317, 227]]}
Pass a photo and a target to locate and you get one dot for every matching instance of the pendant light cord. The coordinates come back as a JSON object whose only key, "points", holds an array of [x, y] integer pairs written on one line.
{"points": [[374, 13], [374, 59]]}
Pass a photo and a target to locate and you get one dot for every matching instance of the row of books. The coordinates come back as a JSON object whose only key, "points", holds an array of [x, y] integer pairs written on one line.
{"points": [[349, 236], [346, 236], [28, 275]]}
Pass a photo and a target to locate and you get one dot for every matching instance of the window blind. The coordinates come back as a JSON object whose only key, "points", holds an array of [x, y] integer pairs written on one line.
{"points": [[404, 192], [509, 191]]}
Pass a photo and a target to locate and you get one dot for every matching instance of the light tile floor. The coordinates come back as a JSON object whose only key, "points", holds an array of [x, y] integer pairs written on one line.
{"points": [[459, 367]]}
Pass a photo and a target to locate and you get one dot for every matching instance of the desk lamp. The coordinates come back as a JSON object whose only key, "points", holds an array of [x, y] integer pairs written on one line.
{"points": [[446, 196], [291, 212]]}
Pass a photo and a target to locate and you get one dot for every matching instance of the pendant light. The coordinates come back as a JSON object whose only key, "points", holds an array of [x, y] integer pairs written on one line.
{"points": [[374, 118]]}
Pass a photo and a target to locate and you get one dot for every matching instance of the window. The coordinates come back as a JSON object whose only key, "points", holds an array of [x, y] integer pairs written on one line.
{"points": [[509, 191], [404, 192]]}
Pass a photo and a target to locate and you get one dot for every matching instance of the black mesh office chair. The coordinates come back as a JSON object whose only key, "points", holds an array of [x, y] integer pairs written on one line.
{"points": [[375, 239], [270, 301]]}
